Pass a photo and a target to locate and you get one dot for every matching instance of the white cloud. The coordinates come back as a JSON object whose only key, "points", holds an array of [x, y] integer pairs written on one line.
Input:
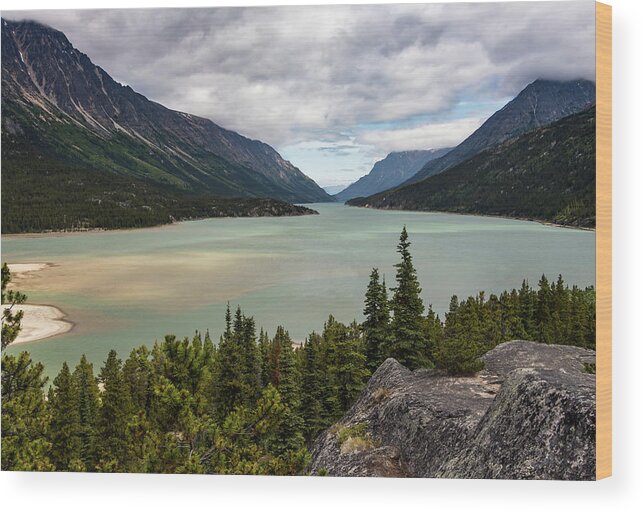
{"points": [[288, 75], [426, 136]]}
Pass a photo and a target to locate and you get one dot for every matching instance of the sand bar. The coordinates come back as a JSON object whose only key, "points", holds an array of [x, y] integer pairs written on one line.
{"points": [[39, 321]]}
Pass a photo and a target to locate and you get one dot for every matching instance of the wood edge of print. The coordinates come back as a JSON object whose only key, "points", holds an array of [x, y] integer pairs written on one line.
{"points": [[603, 240]]}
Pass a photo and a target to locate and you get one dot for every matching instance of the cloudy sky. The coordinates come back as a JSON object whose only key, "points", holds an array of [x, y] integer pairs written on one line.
{"points": [[335, 88]]}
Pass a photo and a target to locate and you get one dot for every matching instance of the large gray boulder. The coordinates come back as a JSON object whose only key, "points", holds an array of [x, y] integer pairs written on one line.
{"points": [[529, 414]]}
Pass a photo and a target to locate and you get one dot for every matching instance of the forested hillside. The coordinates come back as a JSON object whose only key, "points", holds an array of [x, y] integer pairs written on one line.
{"points": [[548, 174], [41, 193], [70, 131]]}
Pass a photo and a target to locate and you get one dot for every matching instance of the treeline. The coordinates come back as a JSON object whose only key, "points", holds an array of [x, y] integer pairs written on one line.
{"points": [[253, 404], [41, 193]]}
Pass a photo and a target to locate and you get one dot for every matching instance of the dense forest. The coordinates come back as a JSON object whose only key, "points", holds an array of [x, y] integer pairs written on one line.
{"points": [[253, 403], [548, 174], [42, 193]]}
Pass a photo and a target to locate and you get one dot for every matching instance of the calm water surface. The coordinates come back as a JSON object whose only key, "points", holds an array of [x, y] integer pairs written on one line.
{"points": [[128, 288]]}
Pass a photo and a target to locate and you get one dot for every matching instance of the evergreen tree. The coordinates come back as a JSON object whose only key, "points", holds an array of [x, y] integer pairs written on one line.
{"points": [[408, 345], [25, 418], [88, 408], [376, 326], [313, 380], [289, 386], [10, 317], [544, 327], [459, 352], [115, 414], [65, 430]]}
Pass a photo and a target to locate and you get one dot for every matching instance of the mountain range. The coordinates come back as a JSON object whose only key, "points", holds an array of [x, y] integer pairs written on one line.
{"points": [[548, 174], [58, 105], [390, 172], [540, 103]]}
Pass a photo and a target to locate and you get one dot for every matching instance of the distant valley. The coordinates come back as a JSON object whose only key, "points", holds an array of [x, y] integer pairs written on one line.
{"points": [[390, 172]]}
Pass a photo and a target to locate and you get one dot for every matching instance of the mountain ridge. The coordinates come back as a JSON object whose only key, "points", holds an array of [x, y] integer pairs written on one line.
{"points": [[55, 92], [538, 104], [547, 174], [390, 172]]}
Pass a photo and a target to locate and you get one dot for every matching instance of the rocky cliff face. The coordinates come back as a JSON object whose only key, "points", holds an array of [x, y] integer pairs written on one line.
{"points": [[530, 414], [55, 99]]}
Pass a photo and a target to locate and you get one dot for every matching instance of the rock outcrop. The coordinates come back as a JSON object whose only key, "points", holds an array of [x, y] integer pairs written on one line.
{"points": [[530, 414]]}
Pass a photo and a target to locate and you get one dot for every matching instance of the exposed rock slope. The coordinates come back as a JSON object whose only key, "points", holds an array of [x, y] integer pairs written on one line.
{"points": [[530, 414]]}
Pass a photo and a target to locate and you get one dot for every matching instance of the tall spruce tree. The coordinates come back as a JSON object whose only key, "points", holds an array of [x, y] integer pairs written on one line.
{"points": [[65, 431], [313, 379], [376, 326], [88, 408], [409, 344], [289, 386], [115, 414]]}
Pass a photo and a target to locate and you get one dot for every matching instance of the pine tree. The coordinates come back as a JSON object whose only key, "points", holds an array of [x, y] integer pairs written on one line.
{"points": [[544, 331], [25, 416], [10, 317], [65, 431], [88, 408], [115, 414], [409, 345], [459, 352], [376, 326], [289, 386], [313, 378]]}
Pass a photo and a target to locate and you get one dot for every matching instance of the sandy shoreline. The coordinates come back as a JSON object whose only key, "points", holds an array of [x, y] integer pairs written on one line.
{"points": [[39, 321]]}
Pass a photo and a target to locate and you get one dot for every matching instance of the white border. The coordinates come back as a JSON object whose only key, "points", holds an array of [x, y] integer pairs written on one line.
{"points": [[624, 491]]}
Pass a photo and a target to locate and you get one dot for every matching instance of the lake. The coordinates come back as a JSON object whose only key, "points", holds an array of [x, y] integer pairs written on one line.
{"points": [[127, 288]]}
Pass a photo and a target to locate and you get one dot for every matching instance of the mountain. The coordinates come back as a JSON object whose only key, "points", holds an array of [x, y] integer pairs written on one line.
{"points": [[390, 172], [548, 174], [540, 103], [334, 189], [58, 105]]}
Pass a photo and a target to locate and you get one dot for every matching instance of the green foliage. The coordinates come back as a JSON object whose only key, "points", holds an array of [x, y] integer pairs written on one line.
{"points": [[548, 174], [359, 430], [88, 411], [25, 416], [408, 344], [65, 427], [10, 317], [251, 406], [376, 326], [42, 193]]}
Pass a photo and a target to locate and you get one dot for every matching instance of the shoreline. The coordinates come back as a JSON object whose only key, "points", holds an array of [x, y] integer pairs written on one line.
{"points": [[508, 217], [39, 321], [55, 234]]}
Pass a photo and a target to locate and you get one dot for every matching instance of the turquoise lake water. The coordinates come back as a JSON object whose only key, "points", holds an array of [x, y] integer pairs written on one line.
{"points": [[127, 288]]}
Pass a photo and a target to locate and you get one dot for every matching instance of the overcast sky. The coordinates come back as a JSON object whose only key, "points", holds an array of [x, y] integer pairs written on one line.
{"points": [[335, 88]]}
